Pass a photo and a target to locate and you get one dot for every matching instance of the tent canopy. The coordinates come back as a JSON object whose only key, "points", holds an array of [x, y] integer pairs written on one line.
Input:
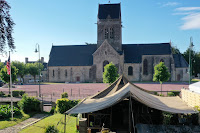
{"points": [[118, 91], [195, 87]]}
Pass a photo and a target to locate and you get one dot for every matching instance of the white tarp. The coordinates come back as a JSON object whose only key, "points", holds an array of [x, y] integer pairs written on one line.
{"points": [[168, 104], [195, 87]]}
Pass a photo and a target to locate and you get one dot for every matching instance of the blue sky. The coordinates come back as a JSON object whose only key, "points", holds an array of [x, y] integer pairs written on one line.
{"points": [[72, 22]]}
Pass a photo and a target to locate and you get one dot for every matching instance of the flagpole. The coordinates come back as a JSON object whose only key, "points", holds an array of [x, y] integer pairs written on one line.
{"points": [[11, 89]]}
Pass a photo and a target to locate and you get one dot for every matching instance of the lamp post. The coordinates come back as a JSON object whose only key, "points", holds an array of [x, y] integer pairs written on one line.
{"points": [[190, 61], [37, 49]]}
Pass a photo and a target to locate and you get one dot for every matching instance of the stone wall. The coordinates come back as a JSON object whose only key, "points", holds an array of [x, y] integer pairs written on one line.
{"points": [[136, 76], [69, 74], [181, 74]]}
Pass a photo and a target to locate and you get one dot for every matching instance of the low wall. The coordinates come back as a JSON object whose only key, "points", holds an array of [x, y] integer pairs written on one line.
{"points": [[190, 97]]}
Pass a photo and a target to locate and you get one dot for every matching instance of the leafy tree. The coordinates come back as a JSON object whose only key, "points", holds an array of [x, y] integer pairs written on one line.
{"points": [[6, 78], [6, 27], [33, 69], [22, 70], [110, 73], [161, 73], [1, 65], [175, 50], [195, 60]]}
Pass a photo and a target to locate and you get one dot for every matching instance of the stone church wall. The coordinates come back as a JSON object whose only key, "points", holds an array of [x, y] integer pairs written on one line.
{"points": [[182, 74], [69, 74], [136, 76]]}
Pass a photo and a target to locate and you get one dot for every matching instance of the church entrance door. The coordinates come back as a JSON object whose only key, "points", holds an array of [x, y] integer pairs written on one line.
{"points": [[77, 79]]}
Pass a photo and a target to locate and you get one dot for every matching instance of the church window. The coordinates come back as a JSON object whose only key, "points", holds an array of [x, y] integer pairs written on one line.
{"points": [[145, 67], [104, 64], [66, 73], [162, 60], [106, 33], [111, 33], [53, 73], [130, 70]]}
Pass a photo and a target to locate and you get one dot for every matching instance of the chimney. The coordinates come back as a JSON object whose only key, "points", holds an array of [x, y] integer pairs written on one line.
{"points": [[26, 60], [42, 59]]}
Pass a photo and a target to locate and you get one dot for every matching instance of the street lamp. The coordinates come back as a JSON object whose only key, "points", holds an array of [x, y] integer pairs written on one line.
{"points": [[190, 62], [37, 49]]}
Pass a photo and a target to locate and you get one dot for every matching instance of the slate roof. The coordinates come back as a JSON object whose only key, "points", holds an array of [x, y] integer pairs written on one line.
{"points": [[133, 52], [81, 55], [72, 55], [180, 61], [113, 10]]}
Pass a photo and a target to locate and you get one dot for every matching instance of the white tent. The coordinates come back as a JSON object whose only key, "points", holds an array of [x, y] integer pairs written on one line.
{"points": [[195, 87], [107, 98]]}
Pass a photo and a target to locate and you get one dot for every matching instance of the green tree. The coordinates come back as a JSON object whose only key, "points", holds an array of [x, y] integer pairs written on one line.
{"points": [[161, 73], [110, 73], [22, 70], [175, 50], [6, 27], [1, 65], [6, 78], [33, 69]]}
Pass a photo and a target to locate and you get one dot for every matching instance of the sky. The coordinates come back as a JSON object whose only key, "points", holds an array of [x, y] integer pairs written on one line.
{"points": [[73, 22]]}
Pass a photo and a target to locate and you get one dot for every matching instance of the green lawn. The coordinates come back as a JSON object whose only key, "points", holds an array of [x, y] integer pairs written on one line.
{"points": [[53, 120], [8, 123]]}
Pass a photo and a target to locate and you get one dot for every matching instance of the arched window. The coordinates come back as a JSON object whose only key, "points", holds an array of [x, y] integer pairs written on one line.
{"points": [[104, 64], [106, 33], [66, 73], [130, 70], [162, 60], [111, 33], [145, 67], [53, 73]]}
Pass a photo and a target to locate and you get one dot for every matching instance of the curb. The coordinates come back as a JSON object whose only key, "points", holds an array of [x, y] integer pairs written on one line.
{"points": [[33, 122]]}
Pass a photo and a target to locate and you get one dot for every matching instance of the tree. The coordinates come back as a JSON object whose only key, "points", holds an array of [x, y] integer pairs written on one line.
{"points": [[175, 50], [6, 27], [22, 70], [6, 78], [33, 69], [1, 65], [110, 73], [161, 73]]}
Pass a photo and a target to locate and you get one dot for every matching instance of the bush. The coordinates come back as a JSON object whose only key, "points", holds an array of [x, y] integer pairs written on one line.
{"points": [[176, 93], [65, 104], [17, 93], [52, 110], [2, 94], [51, 129], [64, 95], [5, 111], [170, 94], [29, 104]]}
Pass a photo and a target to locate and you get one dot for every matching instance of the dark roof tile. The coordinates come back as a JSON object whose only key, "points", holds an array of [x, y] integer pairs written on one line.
{"points": [[180, 61]]}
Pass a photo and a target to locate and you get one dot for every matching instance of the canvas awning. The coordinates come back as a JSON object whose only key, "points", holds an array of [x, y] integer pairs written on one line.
{"points": [[195, 87], [168, 104]]}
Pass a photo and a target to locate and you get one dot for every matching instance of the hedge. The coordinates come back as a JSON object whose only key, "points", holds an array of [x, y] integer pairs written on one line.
{"points": [[18, 93], [5, 111]]}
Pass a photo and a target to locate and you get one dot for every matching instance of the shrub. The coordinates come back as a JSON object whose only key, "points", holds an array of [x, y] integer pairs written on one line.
{"points": [[176, 93], [29, 104], [17, 93], [65, 104], [52, 110], [51, 129], [170, 94], [64, 95], [5, 111], [2, 94]]}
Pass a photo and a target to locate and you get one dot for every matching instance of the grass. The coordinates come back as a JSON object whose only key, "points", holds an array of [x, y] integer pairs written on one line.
{"points": [[8, 122], [57, 120], [195, 80]]}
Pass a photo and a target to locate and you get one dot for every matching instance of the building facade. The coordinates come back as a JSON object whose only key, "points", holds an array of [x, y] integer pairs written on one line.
{"points": [[85, 63]]}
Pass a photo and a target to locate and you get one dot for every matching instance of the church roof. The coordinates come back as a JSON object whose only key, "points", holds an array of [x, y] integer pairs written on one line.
{"points": [[112, 10], [133, 52], [72, 55], [179, 61]]}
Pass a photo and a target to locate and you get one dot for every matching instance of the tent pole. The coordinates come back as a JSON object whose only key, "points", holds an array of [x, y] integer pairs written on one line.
{"points": [[65, 124], [129, 115], [132, 116]]}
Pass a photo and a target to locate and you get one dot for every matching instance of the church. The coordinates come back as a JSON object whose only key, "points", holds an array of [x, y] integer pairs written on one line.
{"points": [[85, 63]]}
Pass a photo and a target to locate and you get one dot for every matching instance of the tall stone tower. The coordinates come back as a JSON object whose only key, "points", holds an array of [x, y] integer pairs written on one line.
{"points": [[109, 25]]}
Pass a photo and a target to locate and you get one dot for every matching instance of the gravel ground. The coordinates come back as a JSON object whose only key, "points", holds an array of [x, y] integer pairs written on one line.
{"points": [[18, 127]]}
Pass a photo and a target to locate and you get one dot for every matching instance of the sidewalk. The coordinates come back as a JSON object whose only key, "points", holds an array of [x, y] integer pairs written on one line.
{"points": [[24, 124]]}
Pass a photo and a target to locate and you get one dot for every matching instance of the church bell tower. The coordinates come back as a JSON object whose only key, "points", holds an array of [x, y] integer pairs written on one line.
{"points": [[109, 25]]}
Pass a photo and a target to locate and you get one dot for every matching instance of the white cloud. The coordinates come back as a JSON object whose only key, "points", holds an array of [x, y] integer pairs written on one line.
{"points": [[187, 9], [170, 4], [191, 21]]}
